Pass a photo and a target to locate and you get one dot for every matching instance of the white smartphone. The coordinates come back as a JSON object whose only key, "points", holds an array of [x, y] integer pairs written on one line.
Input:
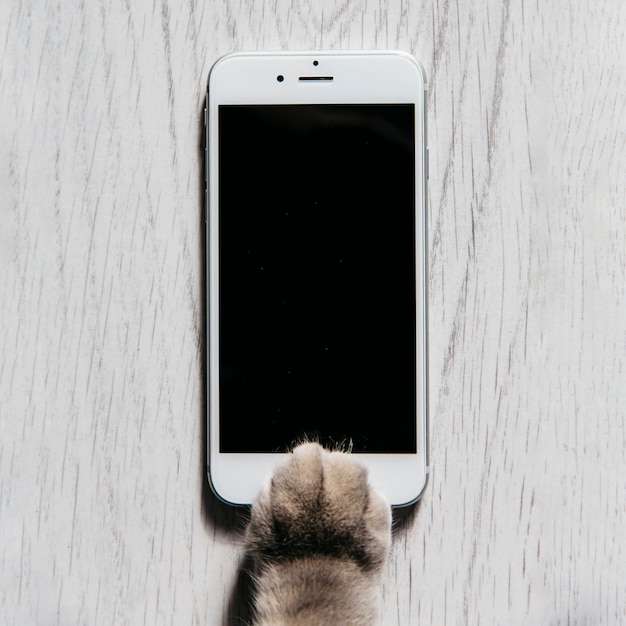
{"points": [[316, 265]]}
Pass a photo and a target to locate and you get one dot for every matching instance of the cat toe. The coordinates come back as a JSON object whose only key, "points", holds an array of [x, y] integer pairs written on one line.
{"points": [[297, 483], [345, 487], [353, 504]]}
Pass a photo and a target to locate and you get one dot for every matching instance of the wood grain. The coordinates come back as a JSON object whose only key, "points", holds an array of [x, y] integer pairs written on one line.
{"points": [[105, 516]]}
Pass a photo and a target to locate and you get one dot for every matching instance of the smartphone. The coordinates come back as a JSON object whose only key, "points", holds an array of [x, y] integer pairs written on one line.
{"points": [[316, 171]]}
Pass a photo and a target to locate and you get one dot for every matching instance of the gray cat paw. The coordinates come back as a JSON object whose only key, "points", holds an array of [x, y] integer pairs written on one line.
{"points": [[320, 503]]}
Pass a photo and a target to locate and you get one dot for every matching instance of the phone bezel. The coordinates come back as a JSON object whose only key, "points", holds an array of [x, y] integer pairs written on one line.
{"points": [[358, 77]]}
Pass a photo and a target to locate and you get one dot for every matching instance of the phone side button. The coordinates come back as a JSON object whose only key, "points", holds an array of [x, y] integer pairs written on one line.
{"points": [[427, 163]]}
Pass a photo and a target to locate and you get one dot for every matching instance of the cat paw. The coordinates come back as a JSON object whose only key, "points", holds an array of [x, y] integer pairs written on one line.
{"points": [[320, 503]]}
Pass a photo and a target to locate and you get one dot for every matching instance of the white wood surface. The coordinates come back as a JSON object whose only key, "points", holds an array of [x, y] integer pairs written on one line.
{"points": [[105, 516]]}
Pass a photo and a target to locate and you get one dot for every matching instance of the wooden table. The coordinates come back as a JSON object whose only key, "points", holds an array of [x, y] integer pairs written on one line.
{"points": [[105, 515]]}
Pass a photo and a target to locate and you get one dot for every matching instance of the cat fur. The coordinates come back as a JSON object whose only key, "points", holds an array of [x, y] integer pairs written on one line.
{"points": [[319, 538]]}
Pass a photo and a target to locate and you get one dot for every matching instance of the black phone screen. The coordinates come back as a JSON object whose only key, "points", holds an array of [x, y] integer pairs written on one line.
{"points": [[317, 296]]}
